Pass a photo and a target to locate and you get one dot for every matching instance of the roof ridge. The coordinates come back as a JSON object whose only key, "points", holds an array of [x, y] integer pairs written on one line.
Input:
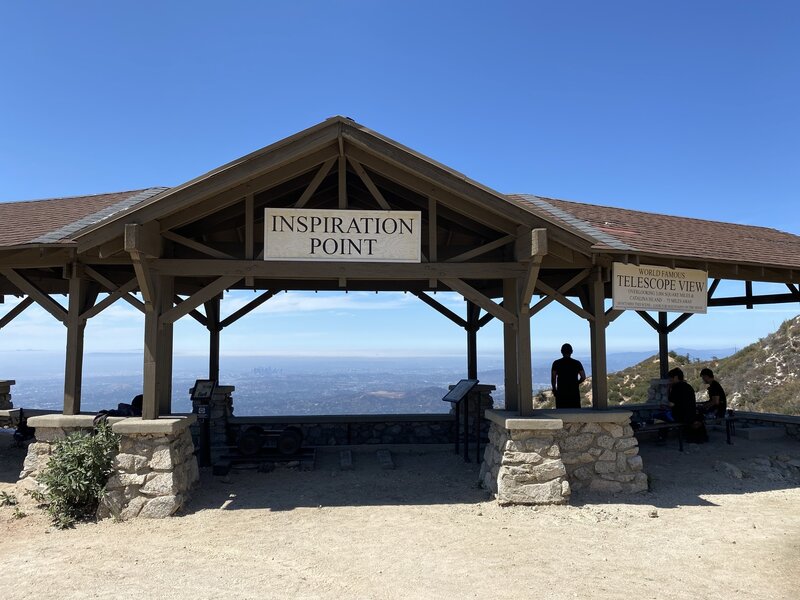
{"points": [[576, 222]]}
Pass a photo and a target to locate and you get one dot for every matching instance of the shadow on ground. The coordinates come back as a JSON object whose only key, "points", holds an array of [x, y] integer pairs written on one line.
{"points": [[689, 478]]}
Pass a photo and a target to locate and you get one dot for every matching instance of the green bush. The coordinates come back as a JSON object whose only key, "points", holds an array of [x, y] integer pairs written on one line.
{"points": [[76, 475]]}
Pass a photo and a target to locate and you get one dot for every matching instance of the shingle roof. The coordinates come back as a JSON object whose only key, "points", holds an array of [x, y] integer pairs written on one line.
{"points": [[621, 230], [58, 219]]}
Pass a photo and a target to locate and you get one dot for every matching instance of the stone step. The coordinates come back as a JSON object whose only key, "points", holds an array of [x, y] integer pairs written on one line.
{"points": [[385, 459], [346, 460], [760, 433]]}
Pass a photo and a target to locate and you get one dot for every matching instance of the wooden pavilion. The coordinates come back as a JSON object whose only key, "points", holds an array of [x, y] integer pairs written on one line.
{"points": [[183, 247]]}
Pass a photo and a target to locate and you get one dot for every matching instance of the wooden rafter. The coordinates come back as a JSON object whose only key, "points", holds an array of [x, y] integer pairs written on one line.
{"points": [[373, 189], [33, 291], [250, 306], [213, 289], [112, 288], [194, 313], [439, 307], [16, 311], [487, 304], [120, 292], [582, 275], [563, 301], [470, 254], [195, 245], [312, 187]]}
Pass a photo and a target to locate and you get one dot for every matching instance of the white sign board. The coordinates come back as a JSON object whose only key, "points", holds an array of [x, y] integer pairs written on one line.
{"points": [[342, 235], [646, 287]]}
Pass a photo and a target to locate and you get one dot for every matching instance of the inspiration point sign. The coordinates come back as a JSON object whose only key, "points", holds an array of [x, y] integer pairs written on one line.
{"points": [[342, 235], [646, 287]]}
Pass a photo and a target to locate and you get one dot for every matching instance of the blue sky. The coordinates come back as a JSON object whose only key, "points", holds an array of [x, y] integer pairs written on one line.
{"points": [[687, 108]]}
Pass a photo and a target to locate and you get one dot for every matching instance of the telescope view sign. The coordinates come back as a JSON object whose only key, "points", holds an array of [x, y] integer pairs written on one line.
{"points": [[645, 287], [342, 235]]}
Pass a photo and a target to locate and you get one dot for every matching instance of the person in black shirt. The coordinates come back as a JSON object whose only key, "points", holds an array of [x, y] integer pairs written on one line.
{"points": [[717, 401], [682, 404], [566, 376]]}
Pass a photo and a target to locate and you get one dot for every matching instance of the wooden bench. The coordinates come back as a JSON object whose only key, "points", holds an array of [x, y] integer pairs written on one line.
{"points": [[661, 426]]}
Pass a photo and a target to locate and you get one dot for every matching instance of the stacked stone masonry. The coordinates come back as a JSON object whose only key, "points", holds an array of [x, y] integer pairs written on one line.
{"points": [[153, 472], [524, 467], [220, 410], [544, 466], [5, 394]]}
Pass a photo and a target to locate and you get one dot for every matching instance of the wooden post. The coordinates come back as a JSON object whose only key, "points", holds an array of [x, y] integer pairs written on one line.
{"points": [[597, 332], [473, 312], [150, 404], [663, 344], [510, 346], [212, 314], [524, 367], [73, 370], [164, 366]]}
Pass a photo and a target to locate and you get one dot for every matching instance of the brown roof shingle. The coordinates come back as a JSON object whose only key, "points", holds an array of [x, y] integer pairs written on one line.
{"points": [[618, 229], [56, 219]]}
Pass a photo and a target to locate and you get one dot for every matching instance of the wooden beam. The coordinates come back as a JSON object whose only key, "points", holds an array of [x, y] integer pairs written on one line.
{"points": [[144, 277], [473, 312], [250, 306], [429, 190], [469, 254], [120, 292], [249, 228], [437, 306], [112, 288], [510, 346], [433, 236], [212, 312], [73, 368], [144, 239], [470, 293], [318, 178], [597, 332], [564, 301], [33, 291], [200, 297], [678, 322], [748, 293], [194, 313], [563, 289], [334, 270], [648, 319], [612, 315], [16, 311], [195, 245], [284, 154], [342, 182], [373, 189], [754, 300]]}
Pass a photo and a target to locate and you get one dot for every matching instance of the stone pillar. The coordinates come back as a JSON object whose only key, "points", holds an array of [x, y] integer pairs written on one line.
{"points": [[528, 458], [5, 394], [154, 471], [523, 466]]}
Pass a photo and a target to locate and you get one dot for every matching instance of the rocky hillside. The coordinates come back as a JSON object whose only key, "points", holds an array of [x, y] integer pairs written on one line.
{"points": [[764, 376]]}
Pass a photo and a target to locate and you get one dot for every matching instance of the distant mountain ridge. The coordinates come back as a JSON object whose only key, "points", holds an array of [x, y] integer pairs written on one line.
{"points": [[762, 377]]}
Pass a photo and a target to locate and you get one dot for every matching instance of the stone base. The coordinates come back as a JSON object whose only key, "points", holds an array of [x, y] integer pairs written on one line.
{"points": [[154, 471], [542, 459], [5, 394]]}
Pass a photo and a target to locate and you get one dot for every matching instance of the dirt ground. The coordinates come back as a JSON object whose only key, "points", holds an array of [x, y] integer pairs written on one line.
{"points": [[425, 530]]}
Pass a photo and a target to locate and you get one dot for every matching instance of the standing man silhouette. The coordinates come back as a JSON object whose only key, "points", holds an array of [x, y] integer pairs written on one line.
{"points": [[566, 376]]}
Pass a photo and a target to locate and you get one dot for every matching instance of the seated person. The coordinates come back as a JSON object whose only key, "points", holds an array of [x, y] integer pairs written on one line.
{"points": [[717, 402], [134, 409], [682, 404]]}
